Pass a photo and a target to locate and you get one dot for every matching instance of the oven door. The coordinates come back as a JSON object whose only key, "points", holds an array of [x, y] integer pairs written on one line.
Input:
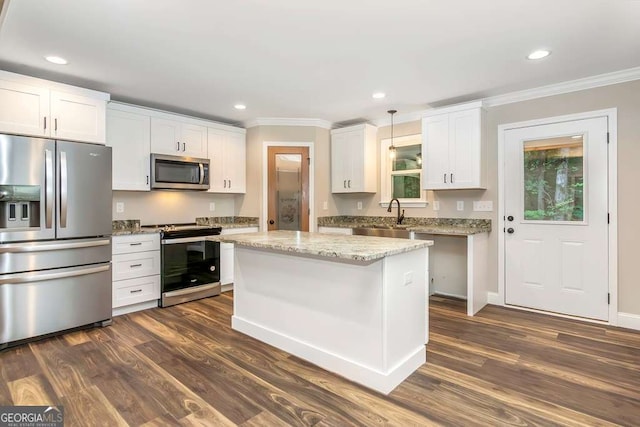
{"points": [[189, 262]]}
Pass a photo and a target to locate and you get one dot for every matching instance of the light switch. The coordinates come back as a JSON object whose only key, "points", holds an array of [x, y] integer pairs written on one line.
{"points": [[460, 205], [483, 206], [359, 206], [408, 278], [436, 205], [212, 206], [120, 207], [325, 205]]}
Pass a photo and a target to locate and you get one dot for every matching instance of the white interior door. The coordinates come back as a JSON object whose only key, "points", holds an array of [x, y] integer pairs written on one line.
{"points": [[556, 255]]}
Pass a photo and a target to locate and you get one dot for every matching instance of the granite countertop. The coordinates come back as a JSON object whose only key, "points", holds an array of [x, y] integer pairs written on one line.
{"points": [[356, 248], [132, 226], [442, 226]]}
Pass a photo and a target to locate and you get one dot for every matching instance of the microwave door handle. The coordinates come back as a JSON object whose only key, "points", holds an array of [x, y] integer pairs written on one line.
{"points": [[48, 185], [201, 173], [63, 189]]}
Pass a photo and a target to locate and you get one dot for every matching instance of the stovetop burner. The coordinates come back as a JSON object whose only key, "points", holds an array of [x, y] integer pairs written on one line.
{"points": [[176, 231]]}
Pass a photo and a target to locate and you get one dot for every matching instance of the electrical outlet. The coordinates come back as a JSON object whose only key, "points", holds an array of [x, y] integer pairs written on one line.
{"points": [[460, 205], [212, 206], [408, 278], [483, 206], [359, 206], [436, 205], [325, 205], [120, 207]]}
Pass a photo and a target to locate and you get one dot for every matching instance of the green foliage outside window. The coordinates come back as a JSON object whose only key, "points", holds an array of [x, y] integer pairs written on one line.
{"points": [[554, 184]]}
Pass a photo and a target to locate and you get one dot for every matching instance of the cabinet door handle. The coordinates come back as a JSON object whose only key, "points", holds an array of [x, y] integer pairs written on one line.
{"points": [[445, 178], [184, 146], [451, 180], [45, 122], [136, 291], [225, 183], [349, 183], [135, 244], [135, 265], [229, 183], [344, 184], [55, 125], [147, 179]]}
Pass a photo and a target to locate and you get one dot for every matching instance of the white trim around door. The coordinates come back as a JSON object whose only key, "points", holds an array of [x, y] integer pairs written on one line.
{"points": [[611, 115], [265, 181]]}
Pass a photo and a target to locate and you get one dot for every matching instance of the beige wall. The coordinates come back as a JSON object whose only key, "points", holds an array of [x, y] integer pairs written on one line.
{"points": [[170, 207], [625, 97], [251, 203]]}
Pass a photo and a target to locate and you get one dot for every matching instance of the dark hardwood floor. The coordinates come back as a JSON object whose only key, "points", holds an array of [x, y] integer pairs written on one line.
{"points": [[185, 366]]}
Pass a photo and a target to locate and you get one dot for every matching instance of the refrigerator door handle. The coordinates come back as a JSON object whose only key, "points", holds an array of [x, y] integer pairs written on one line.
{"points": [[63, 189], [51, 275], [57, 246], [48, 184]]}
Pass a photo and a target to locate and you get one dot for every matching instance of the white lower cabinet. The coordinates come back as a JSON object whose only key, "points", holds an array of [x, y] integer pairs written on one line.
{"points": [[227, 257], [335, 230], [136, 272]]}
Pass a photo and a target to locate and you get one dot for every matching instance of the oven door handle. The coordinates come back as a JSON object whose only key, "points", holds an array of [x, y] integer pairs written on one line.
{"points": [[189, 240]]}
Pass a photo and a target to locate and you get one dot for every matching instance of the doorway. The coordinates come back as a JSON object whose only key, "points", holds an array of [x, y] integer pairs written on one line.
{"points": [[288, 188], [555, 206]]}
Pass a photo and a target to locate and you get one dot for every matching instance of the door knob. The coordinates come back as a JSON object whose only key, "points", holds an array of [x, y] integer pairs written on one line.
{"points": [[510, 230], [271, 222], [510, 218]]}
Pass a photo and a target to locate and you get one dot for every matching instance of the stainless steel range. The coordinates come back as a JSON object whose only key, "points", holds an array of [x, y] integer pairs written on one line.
{"points": [[190, 263]]}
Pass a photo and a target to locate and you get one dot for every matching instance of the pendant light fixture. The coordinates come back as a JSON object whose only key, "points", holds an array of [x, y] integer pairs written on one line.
{"points": [[392, 148]]}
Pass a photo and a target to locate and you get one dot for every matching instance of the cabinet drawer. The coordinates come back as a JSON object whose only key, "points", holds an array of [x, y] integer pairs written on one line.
{"points": [[135, 243], [128, 266], [134, 291]]}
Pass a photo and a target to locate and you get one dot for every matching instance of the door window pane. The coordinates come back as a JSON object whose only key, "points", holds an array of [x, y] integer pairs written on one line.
{"points": [[554, 179], [289, 191]]}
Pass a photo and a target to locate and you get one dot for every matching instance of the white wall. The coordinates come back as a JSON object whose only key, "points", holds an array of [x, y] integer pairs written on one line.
{"points": [[171, 207]]}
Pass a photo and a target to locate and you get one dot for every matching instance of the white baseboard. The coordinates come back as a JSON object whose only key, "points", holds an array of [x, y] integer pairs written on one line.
{"points": [[383, 382], [449, 294], [628, 320], [493, 298], [226, 287], [134, 307]]}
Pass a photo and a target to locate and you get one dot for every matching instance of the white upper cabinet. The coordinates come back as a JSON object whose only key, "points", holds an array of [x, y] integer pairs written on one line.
{"points": [[35, 107], [228, 157], [178, 137], [452, 148], [129, 135], [78, 118], [354, 159], [24, 109]]}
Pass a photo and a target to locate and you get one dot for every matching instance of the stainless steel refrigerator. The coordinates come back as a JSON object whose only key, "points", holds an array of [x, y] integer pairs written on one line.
{"points": [[55, 236]]}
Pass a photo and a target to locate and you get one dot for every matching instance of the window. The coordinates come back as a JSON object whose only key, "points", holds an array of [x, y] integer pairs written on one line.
{"points": [[401, 177]]}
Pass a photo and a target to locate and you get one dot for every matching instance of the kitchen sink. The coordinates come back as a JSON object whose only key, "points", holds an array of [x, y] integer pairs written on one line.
{"points": [[384, 231]]}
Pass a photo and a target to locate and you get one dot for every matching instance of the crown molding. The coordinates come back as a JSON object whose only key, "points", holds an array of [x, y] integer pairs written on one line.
{"points": [[564, 87], [276, 121]]}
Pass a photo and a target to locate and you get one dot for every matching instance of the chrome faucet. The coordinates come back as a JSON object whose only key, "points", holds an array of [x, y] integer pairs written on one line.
{"points": [[400, 216]]}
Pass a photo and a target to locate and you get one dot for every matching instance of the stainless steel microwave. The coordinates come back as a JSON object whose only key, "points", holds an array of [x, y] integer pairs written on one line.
{"points": [[179, 173]]}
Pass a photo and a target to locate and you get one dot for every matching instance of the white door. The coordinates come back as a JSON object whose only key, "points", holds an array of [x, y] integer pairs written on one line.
{"points": [[556, 230], [24, 109], [129, 136], [78, 118]]}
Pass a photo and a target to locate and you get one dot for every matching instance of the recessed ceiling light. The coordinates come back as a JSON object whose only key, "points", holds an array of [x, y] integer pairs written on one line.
{"points": [[240, 107], [56, 60], [378, 95], [539, 54]]}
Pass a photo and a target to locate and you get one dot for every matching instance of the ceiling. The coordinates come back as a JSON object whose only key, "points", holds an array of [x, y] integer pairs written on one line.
{"points": [[321, 59]]}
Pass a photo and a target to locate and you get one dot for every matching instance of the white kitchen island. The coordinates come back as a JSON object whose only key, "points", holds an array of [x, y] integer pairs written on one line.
{"points": [[353, 305]]}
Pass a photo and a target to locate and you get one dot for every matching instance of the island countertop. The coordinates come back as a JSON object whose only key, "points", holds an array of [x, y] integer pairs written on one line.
{"points": [[356, 248]]}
